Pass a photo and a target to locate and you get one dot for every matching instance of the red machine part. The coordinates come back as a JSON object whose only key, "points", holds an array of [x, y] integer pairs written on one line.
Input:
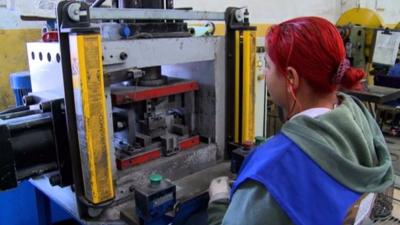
{"points": [[138, 159], [190, 142], [140, 94], [50, 36], [154, 154]]}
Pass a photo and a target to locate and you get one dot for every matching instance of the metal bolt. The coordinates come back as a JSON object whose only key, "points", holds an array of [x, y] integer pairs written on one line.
{"points": [[123, 56], [120, 124]]}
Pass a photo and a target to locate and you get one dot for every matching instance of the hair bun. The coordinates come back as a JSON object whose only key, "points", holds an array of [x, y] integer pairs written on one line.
{"points": [[352, 78]]}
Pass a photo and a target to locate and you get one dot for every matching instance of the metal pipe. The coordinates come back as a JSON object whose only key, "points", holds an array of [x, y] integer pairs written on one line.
{"points": [[14, 109], [17, 114], [153, 14], [28, 122]]}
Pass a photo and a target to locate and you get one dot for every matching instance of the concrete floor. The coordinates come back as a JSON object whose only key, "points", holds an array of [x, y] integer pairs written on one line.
{"points": [[394, 218], [396, 203], [394, 147]]}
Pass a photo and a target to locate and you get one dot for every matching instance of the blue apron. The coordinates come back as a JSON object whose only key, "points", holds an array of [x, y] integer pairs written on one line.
{"points": [[304, 191]]}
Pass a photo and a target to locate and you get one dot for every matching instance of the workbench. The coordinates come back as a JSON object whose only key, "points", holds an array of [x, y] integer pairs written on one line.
{"points": [[373, 94], [376, 94]]}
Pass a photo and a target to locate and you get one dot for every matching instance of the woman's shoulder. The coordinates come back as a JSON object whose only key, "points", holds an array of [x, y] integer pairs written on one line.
{"points": [[273, 147], [268, 154]]}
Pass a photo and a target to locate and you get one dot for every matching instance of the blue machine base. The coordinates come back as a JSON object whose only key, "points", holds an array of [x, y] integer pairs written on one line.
{"points": [[191, 212], [26, 205]]}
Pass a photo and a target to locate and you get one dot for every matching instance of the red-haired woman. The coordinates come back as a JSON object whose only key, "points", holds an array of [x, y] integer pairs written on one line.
{"points": [[329, 153]]}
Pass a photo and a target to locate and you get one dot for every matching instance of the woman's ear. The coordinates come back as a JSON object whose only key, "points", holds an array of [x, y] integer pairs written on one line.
{"points": [[293, 77]]}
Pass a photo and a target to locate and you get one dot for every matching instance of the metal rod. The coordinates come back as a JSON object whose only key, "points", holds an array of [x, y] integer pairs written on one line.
{"points": [[153, 14]]}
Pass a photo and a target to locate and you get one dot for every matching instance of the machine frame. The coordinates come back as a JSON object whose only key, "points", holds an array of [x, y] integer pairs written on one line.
{"points": [[99, 193]]}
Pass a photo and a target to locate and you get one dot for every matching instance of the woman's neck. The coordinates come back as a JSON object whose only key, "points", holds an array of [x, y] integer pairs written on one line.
{"points": [[328, 101]]}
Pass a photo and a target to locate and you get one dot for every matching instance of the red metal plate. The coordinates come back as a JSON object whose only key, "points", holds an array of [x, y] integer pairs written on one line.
{"points": [[154, 154], [124, 96], [138, 159], [190, 142]]}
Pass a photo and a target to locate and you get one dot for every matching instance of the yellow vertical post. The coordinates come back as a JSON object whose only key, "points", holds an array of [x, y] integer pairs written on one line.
{"points": [[245, 59], [249, 65], [91, 113]]}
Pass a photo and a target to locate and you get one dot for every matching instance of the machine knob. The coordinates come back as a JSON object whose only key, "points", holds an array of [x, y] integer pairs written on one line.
{"points": [[259, 140], [126, 31], [155, 179]]}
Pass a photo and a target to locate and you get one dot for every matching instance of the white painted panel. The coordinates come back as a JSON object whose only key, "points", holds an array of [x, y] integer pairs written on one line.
{"points": [[45, 8], [260, 117], [382, 4], [10, 19], [10, 15], [363, 3], [391, 13]]}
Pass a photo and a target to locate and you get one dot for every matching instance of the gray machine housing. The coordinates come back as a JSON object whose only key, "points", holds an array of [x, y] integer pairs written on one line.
{"points": [[196, 58]]}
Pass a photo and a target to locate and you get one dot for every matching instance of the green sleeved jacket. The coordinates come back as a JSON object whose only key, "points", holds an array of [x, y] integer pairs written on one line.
{"points": [[251, 204], [345, 142]]}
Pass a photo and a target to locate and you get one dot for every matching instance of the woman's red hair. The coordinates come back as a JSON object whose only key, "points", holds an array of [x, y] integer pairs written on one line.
{"points": [[314, 48]]}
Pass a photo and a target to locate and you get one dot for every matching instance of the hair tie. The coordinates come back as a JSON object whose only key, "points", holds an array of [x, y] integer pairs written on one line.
{"points": [[343, 67]]}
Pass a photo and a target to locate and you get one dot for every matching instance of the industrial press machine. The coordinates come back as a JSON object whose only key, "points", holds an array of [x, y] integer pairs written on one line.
{"points": [[130, 117]]}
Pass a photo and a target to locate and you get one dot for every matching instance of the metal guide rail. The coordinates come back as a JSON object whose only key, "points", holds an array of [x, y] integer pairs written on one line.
{"points": [[130, 14], [153, 14]]}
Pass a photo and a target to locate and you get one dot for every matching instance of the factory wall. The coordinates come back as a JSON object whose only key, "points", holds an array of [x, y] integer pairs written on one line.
{"points": [[272, 11], [389, 10]]}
